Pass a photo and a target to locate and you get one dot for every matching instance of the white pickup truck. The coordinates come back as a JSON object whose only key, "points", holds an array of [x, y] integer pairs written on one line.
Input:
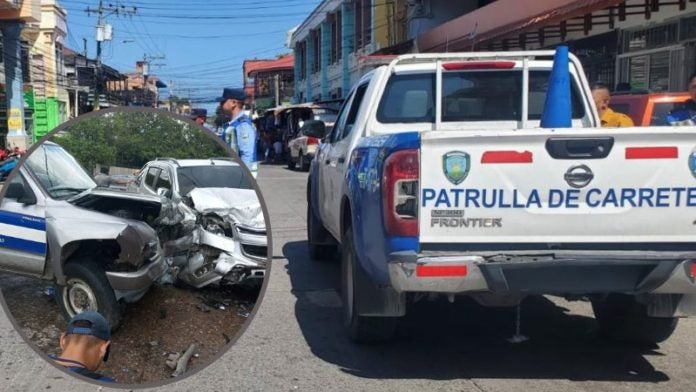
{"points": [[438, 178]]}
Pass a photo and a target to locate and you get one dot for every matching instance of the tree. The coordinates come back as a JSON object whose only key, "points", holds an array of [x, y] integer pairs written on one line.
{"points": [[130, 139]]}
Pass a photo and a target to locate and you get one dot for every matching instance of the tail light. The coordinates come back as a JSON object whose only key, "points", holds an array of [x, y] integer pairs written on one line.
{"points": [[400, 193], [312, 141]]}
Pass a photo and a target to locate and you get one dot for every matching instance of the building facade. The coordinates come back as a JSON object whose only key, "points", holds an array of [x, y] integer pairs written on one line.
{"points": [[269, 82], [647, 45], [15, 17]]}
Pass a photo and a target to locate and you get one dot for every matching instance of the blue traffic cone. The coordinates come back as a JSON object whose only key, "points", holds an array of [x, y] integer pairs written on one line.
{"points": [[557, 108]]}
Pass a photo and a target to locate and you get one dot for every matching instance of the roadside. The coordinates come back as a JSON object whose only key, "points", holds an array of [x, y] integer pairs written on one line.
{"points": [[167, 320]]}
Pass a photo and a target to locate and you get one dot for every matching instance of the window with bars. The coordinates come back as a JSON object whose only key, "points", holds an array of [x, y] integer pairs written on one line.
{"points": [[653, 37], [316, 45], [336, 37], [302, 52], [363, 23]]}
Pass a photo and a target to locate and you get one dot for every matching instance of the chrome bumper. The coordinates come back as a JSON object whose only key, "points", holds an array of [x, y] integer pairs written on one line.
{"points": [[565, 275]]}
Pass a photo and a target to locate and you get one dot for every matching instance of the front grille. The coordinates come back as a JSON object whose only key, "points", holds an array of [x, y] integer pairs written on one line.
{"points": [[255, 251]]}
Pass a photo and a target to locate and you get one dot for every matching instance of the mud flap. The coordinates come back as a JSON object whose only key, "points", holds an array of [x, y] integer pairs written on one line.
{"points": [[374, 300]]}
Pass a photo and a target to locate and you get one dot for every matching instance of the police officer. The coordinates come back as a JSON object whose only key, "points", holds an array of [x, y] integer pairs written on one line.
{"points": [[239, 133], [85, 345], [200, 116]]}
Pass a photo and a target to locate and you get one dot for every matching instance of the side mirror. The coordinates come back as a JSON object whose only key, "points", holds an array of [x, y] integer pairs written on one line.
{"points": [[164, 192], [17, 191], [314, 128]]}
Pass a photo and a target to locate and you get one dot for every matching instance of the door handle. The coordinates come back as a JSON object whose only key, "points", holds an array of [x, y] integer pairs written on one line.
{"points": [[342, 160]]}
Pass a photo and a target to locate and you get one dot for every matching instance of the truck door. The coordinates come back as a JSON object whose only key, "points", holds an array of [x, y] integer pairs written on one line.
{"points": [[337, 158], [23, 229]]}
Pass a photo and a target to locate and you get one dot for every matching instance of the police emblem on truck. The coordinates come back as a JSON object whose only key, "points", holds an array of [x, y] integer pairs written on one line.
{"points": [[455, 166]]}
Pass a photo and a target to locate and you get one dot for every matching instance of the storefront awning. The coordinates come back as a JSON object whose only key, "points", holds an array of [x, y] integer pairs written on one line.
{"points": [[504, 18]]}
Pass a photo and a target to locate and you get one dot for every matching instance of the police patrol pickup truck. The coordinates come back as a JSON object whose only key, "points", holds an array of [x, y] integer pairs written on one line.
{"points": [[439, 178]]}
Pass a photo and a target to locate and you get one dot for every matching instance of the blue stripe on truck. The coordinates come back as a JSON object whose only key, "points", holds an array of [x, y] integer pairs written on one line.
{"points": [[21, 220], [22, 245]]}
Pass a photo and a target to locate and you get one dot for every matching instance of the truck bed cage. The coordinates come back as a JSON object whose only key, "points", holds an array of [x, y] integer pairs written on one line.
{"points": [[524, 56]]}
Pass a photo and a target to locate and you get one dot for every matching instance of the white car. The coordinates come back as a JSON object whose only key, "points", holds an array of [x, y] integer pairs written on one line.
{"points": [[213, 229], [302, 147]]}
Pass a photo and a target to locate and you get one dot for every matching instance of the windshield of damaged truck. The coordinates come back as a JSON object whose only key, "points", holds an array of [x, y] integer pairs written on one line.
{"points": [[58, 172], [467, 96], [212, 177]]}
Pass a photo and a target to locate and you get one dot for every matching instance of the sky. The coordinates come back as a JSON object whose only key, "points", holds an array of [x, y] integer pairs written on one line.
{"points": [[204, 42]]}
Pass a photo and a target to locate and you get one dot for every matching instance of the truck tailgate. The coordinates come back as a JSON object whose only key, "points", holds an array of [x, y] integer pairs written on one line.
{"points": [[631, 186]]}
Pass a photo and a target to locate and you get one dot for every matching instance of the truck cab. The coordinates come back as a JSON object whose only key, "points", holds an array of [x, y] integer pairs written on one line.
{"points": [[57, 226]]}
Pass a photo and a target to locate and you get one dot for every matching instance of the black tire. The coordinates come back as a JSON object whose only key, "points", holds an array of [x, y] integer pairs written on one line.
{"points": [[86, 282], [622, 318], [291, 163], [303, 162], [317, 251], [361, 329]]}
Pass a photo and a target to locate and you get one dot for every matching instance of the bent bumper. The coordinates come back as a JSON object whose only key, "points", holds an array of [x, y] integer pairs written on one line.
{"points": [[131, 286], [569, 274]]}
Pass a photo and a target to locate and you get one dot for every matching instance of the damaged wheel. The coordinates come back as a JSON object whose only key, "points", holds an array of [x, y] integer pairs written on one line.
{"points": [[87, 288]]}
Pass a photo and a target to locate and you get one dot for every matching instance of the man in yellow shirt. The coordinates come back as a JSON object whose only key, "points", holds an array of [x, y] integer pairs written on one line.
{"points": [[610, 118]]}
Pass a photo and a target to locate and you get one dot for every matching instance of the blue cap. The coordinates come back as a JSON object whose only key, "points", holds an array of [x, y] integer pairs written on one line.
{"points": [[98, 327], [232, 93], [195, 113]]}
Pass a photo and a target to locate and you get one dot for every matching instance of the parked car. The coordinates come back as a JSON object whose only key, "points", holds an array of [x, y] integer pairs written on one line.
{"points": [[94, 244], [212, 228], [302, 149], [289, 120], [648, 109]]}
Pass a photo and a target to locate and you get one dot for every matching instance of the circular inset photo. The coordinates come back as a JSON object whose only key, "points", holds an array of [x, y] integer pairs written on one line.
{"points": [[133, 245]]}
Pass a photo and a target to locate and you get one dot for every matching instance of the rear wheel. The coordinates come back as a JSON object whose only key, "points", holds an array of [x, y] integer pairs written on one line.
{"points": [[622, 318], [361, 329], [87, 288]]}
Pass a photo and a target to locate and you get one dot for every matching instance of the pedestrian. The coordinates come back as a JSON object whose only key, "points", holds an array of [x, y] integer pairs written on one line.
{"points": [[608, 117], [85, 344], [200, 117], [239, 133], [685, 114]]}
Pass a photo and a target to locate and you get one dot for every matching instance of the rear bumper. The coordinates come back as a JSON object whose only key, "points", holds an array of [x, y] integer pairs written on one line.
{"points": [[525, 274]]}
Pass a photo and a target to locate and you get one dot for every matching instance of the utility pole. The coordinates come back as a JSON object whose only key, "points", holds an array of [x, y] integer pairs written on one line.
{"points": [[277, 90], [146, 72], [104, 33]]}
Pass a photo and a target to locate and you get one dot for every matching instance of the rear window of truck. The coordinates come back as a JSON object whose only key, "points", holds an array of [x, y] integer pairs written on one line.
{"points": [[467, 96]]}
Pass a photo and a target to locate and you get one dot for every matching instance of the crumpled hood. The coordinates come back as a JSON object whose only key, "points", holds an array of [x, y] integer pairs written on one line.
{"points": [[240, 206]]}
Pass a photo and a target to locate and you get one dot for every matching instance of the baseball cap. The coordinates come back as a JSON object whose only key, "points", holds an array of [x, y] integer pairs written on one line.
{"points": [[98, 326], [232, 93], [195, 113]]}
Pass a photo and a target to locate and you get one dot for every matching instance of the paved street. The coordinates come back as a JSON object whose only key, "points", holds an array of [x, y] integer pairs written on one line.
{"points": [[295, 342]]}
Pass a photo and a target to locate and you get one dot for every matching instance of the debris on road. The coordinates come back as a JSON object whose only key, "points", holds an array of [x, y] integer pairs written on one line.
{"points": [[182, 363]]}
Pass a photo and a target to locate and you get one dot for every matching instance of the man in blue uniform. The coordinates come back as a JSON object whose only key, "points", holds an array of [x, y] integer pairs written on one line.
{"points": [[239, 133], [85, 345], [200, 116]]}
